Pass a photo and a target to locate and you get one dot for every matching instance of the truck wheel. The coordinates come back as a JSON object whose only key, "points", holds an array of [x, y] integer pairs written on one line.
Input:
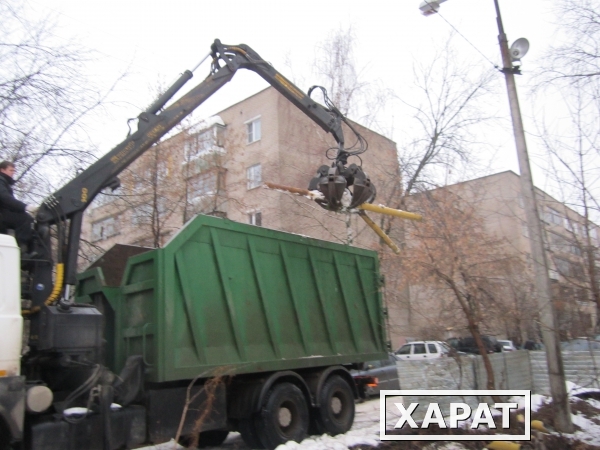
{"points": [[212, 438], [335, 413], [283, 417], [247, 429]]}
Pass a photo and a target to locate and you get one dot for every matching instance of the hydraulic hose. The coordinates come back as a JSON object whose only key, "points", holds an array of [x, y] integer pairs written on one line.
{"points": [[58, 284]]}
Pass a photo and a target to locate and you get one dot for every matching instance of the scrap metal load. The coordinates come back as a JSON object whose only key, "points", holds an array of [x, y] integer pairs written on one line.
{"points": [[360, 209]]}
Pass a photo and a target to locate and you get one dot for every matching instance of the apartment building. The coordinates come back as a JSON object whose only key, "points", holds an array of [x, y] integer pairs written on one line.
{"points": [[219, 167], [572, 244]]}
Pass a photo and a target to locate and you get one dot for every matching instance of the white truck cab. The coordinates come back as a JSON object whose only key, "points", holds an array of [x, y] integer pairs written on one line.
{"points": [[11, 321], [12, 384]]}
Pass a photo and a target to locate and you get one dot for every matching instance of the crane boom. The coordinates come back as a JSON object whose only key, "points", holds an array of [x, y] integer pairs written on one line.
{"points": [[71, 200]]}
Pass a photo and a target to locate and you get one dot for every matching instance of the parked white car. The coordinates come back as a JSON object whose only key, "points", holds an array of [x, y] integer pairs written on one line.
{"points": [[507, 346], [420, 350]]}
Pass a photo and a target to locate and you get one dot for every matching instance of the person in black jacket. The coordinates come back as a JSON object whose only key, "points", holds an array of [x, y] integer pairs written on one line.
{"points": [[13, 213]]}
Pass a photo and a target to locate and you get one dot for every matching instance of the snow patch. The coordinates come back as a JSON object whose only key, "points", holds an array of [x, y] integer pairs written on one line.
{"points": [[205, 124]]}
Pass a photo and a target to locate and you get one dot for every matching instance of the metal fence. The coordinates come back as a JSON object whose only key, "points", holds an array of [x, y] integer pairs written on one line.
{"points": [[521, 369], [581, 368]]}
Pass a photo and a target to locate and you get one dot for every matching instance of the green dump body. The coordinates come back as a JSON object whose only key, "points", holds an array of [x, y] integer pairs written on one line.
{"points": [[225, 297]]}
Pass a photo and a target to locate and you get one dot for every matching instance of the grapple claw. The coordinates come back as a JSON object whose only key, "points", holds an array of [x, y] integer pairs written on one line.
{"points": [[332, 187], [333, 182], [364, 191]]}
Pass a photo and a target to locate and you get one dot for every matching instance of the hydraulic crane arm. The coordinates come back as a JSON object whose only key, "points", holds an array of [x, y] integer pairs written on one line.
{"points": [[155, 122], [72, 199]]}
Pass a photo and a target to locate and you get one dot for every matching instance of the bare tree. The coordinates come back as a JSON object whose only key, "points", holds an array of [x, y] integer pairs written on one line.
{"points": [[335, 62], [346, 82], [572, 162], [577, 57], [170, 183], [575, 250], [203, 172], [448, 109], [470, 271], [44, 94]]}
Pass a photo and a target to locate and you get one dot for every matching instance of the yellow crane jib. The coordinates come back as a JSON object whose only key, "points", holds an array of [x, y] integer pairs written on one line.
{"points": [[318, 196], [390, 211]]}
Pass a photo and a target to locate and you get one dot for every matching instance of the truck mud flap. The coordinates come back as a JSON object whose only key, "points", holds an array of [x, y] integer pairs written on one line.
{"points": [[128, 427], [165, 407], [12, 406]]}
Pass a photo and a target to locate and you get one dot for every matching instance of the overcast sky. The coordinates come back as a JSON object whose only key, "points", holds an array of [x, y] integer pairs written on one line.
{"points": [[154, 41]]}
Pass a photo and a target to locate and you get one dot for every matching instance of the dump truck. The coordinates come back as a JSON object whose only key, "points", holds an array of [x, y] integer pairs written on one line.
{"points": [[228, 327], [260, 326]]}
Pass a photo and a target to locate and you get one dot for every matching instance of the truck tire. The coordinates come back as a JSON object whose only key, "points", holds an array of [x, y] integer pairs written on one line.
{"points": [[283, 416], [247, 429], [335, 413], [212, 438]]}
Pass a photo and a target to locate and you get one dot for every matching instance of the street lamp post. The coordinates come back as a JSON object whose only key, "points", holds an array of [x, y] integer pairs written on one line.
{"points": [[556, 373], [543, 290]]}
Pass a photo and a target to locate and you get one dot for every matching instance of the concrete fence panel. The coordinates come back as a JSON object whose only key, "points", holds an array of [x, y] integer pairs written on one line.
{"points": [[581, 368], [442, 373], [511, 370]]}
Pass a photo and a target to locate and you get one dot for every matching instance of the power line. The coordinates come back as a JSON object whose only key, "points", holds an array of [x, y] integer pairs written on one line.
{"points": [[96, 29], [468, 41]]}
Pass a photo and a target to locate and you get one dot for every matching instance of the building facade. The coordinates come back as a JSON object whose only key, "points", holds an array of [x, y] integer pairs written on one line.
{"points": [[571, 242], [219, 167]]}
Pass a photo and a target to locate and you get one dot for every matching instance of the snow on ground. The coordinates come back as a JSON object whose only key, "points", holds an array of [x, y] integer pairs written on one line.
{"points": [[574, 389], [365, 430], [590, 433], [590, 425]]}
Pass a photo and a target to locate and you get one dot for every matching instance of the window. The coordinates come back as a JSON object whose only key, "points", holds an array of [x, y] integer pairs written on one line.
{"points": [[204, 184], [418, 349], [432, 348], [195, 145], [255, 218], [141, 214], [103, 229], [145, 179], [557, 242], [205, 142], [144, 213], [106, 196], [404, 350], [569, 268], [563, 267], [254, 175], [576, 228], [560, 244], [552, 216], [254, 130]]}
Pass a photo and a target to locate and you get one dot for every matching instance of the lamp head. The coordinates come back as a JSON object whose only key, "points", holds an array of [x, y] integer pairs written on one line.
{"points": [[429, 7], [518, 49]]}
